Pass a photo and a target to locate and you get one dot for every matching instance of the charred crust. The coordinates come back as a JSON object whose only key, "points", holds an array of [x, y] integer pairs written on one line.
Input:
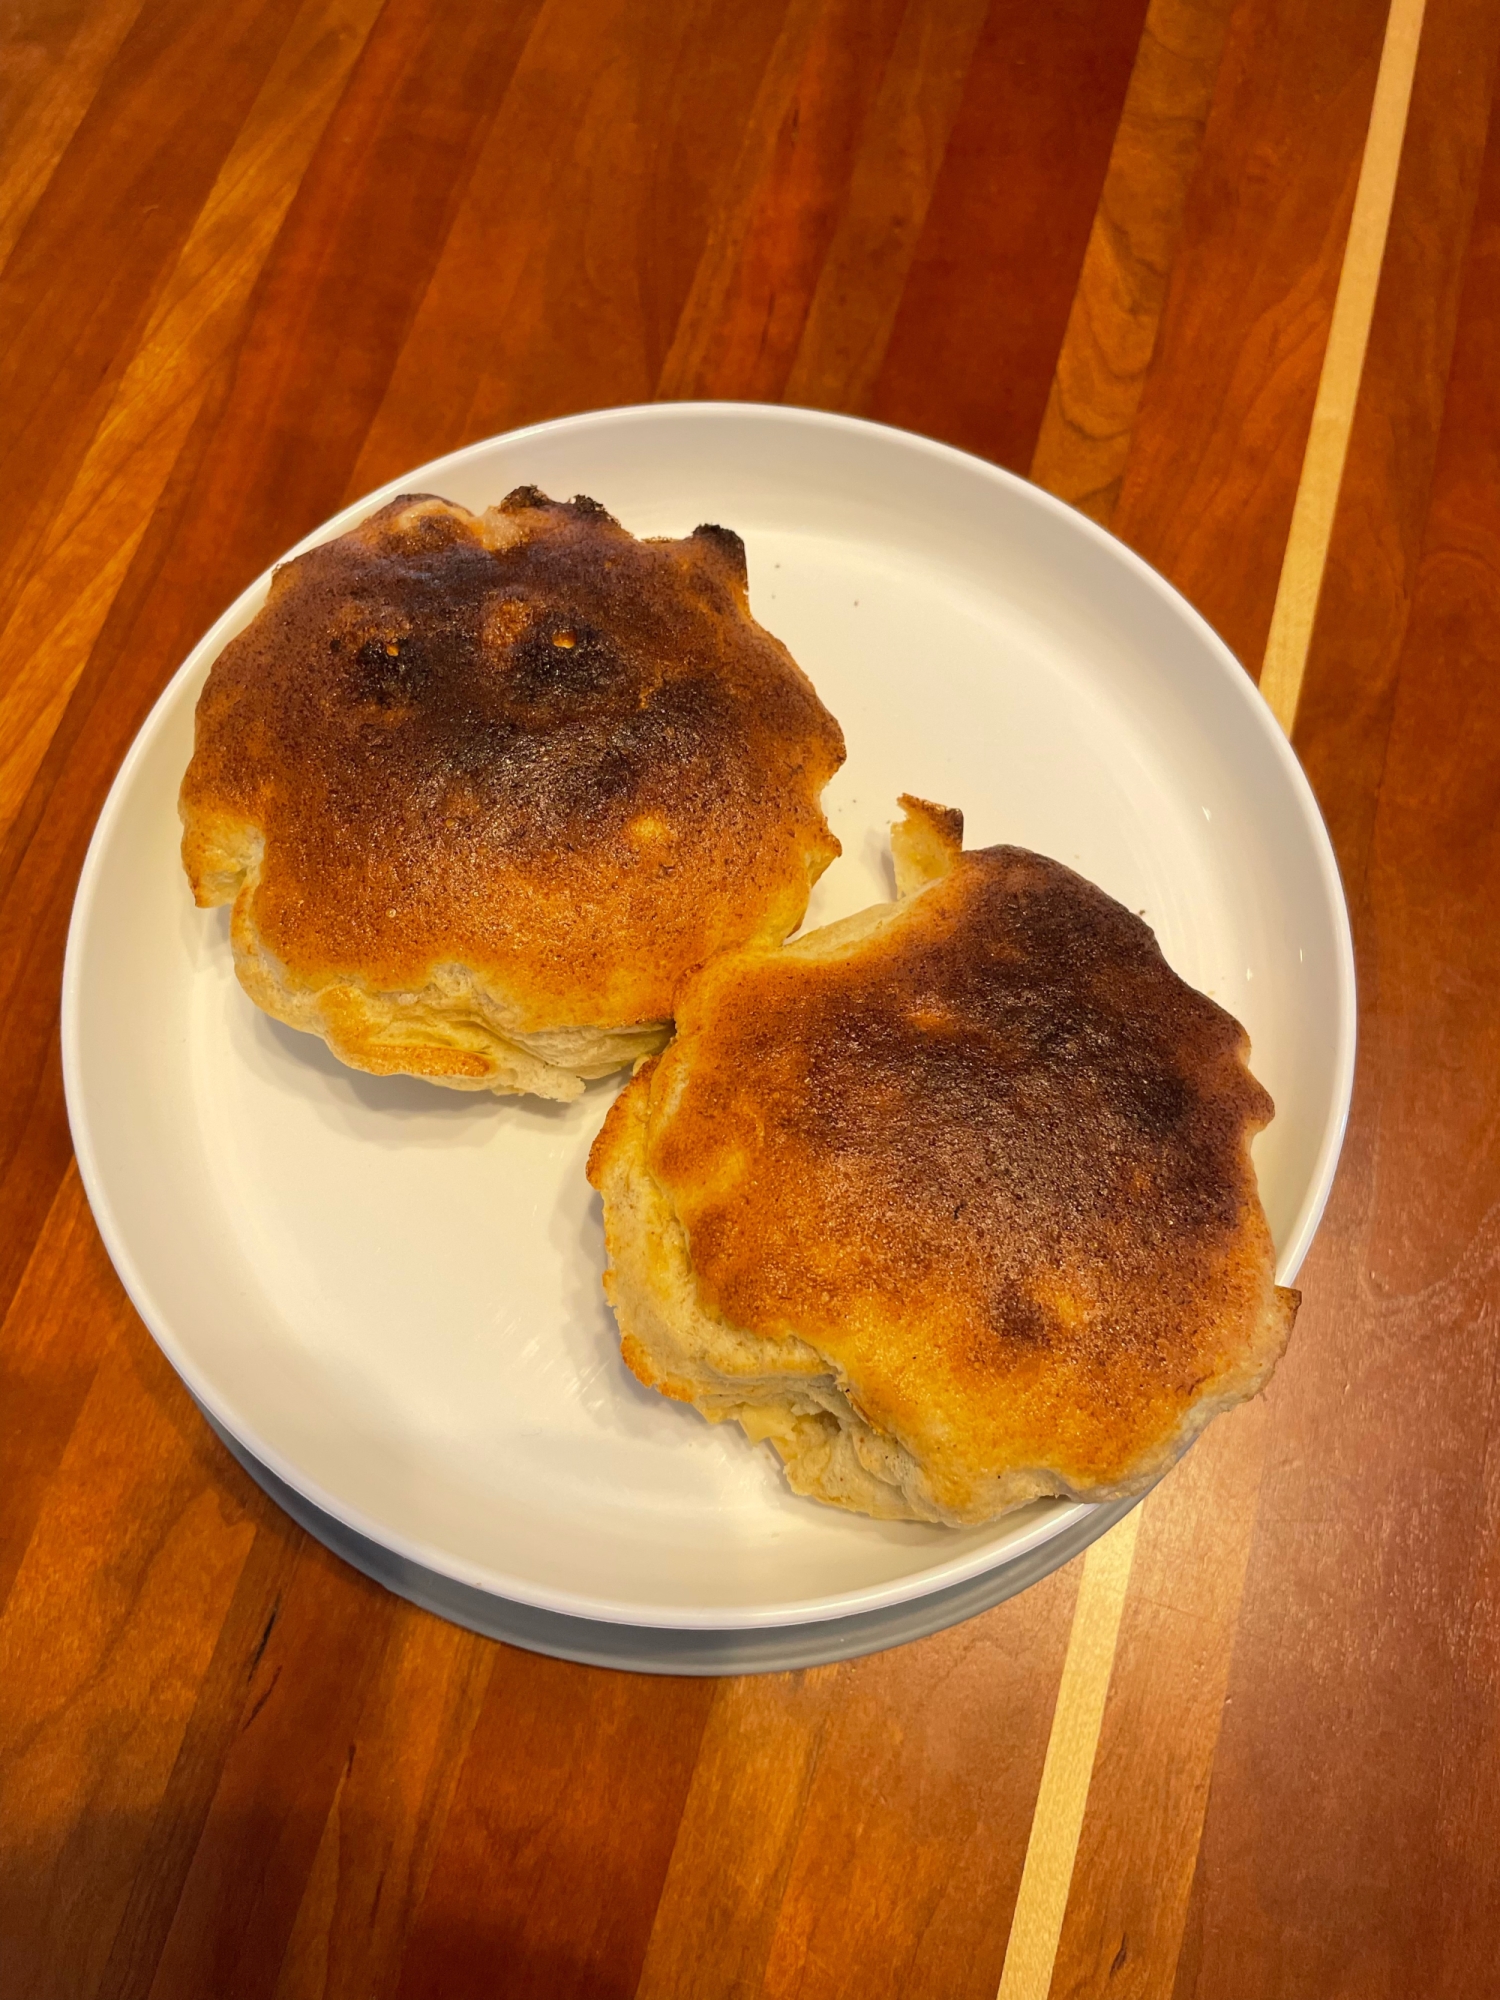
{"points": [[727, 546], [531, 499]]}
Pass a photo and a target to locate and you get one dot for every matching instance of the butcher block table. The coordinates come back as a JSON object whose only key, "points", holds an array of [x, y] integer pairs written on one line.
{"points": [[1223, 274]]}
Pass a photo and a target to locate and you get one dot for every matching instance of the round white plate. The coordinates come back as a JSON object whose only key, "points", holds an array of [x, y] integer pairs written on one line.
{"points": [[389, 1293], [663, 1649]]}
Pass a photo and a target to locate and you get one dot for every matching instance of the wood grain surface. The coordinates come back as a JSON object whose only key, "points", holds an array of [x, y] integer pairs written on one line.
{"points": [[256, 258]]}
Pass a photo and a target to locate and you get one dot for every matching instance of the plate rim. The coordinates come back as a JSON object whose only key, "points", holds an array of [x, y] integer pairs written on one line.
{"points": [[682, 1650], [443, 1563]]}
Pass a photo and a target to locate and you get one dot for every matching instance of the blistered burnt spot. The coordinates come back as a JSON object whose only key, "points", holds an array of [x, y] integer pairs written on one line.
{"points": [[622, 767], [1158, 1102], [1005, 1044], [691, 710], [563, 666], [1049, 977], [1017, 1320], [388, 673], [414, 643]]}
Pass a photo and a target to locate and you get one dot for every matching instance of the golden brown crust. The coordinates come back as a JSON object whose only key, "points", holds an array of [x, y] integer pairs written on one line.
{"points": [[988, 1159], [925, 843], [521, 744]]}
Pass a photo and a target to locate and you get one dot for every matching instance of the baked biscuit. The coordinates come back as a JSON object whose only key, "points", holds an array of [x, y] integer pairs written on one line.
{"points": [[483, 789], [952, 1201]]}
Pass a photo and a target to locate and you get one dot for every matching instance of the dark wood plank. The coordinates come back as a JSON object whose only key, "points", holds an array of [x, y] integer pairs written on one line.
{"points": [[346, 280], [165, 1844], [290, 1749], [51, 63], [767, 239], [1115, 318], [1362, 1698], [717, 1914], [1217, 449], [874, 1815], [909, 1852], [106, 1635], [39, 1149], [559, 1837], [116, 442], [89, 539], [1344, 719], [974, 344], [560, 289], [51, 1345], [863, 275], [1139, 1847], [381, 1838], [110, 223], [215, 1675]]}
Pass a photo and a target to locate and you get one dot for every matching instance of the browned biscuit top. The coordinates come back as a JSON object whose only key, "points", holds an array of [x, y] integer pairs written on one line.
{"points": [[991, 1158], [523, 742]]}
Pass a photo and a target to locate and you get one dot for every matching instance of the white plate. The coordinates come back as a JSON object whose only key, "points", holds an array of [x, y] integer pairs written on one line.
{"points": [[661, 1649], [389, 1293]]}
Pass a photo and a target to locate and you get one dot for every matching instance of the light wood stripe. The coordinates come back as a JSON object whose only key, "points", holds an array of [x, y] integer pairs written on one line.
{"points": [[1048, 1873], [1047, 1877], [1343, 364]]}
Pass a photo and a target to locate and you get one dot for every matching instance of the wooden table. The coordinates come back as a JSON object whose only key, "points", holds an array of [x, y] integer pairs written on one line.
{"points": [[261, 256]]}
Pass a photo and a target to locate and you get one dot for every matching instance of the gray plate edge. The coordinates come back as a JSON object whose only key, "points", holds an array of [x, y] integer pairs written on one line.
{"points": [[653, 1649]]}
